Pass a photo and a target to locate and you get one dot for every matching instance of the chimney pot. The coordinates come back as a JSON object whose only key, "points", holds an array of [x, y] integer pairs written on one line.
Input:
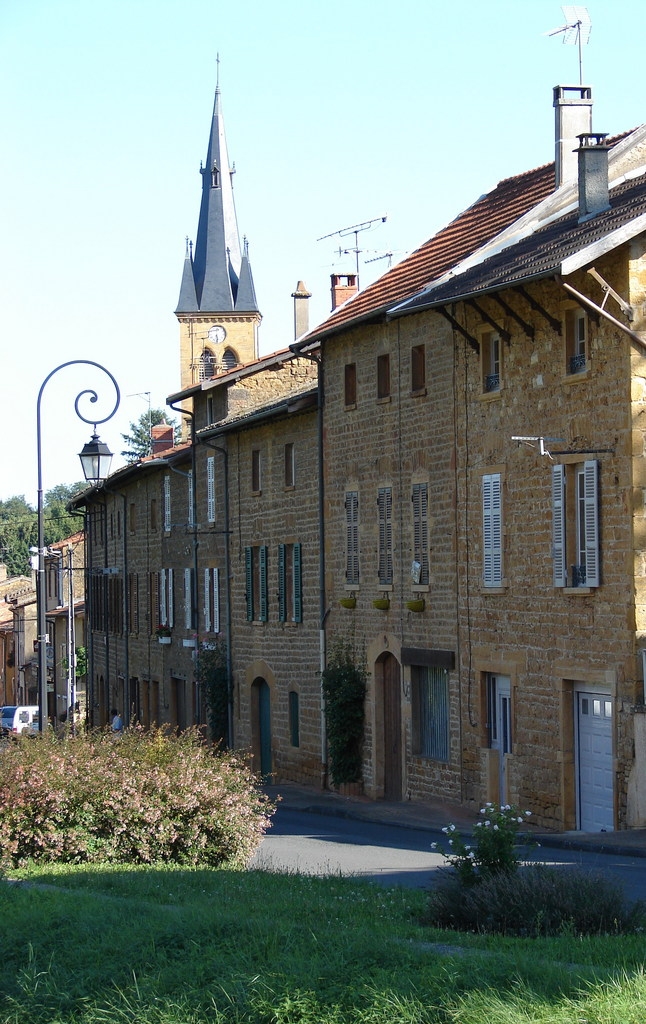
{"points": [[344, 286], [161, 437], [573, 116], [301, 299], [593, 175]]}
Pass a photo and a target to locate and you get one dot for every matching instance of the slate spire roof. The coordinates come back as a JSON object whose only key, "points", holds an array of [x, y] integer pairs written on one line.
{"points": [[217, 277]]}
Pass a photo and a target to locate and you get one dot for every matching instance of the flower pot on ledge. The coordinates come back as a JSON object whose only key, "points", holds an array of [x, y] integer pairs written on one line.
{"points": [[163, 639], [417, 605], [381, 603], [189, 642], [348, 602]]}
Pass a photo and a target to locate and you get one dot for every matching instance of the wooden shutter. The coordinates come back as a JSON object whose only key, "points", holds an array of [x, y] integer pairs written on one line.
{"points": [[170, 599], [215, 623], [559, 557], [188, 599], [591, 505], [163, 607], [210, 489], [191, 505], [167, 517], [352, 537], [420, 530], [384, 512], [282, 584], [492, 530], [248, 569], [264, 611], [298, 583], [153, 601]]}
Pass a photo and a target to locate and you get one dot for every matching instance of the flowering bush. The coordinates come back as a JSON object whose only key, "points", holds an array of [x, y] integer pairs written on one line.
{"points": [[492, 849], [150, 797]]}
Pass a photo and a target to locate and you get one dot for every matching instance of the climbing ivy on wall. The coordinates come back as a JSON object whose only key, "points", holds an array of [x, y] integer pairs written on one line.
{"points": [[344, 692], [211, 674]]}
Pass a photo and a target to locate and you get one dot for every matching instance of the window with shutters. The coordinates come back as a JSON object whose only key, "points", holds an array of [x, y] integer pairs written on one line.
{"points": [[290, 475], [256, 474], [154, 620], [210, 489], [352, 538], [190, 501], [256, 584], [166, 598], [189, 605], [350, 385], [385, 519], [490, 359], [421, 574], [430, 712], [383, 376], [212, 600], [492, 530], [167, 518], [290, 583], [575, 525], [418, 369], [576, 340]]}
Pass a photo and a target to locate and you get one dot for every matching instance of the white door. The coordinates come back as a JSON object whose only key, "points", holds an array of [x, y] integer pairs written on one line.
{"points": [[499, 697], [595, 775]]}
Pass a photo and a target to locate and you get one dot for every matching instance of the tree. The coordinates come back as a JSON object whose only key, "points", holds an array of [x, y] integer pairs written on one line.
{"points": [[19, 525], [139, 442]]}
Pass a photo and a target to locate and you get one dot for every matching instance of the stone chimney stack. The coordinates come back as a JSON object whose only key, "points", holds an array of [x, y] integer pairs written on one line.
{"points": [[161, 437], [573, 117], [301, 299], [344, 286], [593, 175]]}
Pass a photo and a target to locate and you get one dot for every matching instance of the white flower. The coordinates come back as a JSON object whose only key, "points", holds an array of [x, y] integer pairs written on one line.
{"points": [[507, 807], [478, 824], [487, 823], [527, 814], [472, 856], [446, 828], [483, 810], [496, 829], [452, 828], [467, 847], [450, 842], [433, 846], [519, 820]]}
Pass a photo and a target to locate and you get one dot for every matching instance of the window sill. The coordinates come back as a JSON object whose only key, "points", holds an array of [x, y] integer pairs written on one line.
{"points": [[384, 400], [256, 494], [419, 392], [576, 378], [351, 588], [385, 588], [350, 407], [290, 487], [421, 588], [491, 396], [577, 591], [501, 588]]}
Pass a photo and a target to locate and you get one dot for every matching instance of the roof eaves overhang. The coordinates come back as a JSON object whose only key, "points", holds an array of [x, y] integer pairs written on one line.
{"points": [[314, 339], [289, 407], [406, 309]]}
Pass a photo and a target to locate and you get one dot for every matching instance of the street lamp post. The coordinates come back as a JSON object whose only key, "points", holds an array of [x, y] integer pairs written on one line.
{"points": [[95, 459]]}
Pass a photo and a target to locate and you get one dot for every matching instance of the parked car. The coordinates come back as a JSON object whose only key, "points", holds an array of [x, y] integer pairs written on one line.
{"points": [[19, 719]]}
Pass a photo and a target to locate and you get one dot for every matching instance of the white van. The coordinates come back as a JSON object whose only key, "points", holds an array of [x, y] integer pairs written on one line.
{"points": [[26, 719]]}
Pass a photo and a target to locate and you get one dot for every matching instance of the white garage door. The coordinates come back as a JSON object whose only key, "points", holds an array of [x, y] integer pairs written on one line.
{"points": [[594, 724]]}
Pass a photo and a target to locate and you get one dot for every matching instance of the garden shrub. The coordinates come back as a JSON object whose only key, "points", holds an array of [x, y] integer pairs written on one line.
{"points": [[344, 692], [534, 901], [145, 797], [212, 675], [492, 849]]}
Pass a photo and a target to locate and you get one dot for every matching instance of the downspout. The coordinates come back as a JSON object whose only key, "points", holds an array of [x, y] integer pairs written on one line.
{"points": [[227, 573], [322, 609], [195, 620]]}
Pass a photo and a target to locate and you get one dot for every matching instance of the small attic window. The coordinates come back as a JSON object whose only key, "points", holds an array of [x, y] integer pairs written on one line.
{"points": [[215, 176]]}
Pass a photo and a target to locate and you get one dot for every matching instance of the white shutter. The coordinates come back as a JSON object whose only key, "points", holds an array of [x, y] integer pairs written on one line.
{"points": [[216, 600], [207, 600], [591, 504], [191, 507], [187, 599], [559, 558], [170, 598], [492, 530], [167, 520], [210, 489], [163, 610]]}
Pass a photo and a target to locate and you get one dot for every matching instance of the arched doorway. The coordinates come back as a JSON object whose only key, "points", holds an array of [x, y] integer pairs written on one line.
{"points": [[261, 727], [389, 673]]}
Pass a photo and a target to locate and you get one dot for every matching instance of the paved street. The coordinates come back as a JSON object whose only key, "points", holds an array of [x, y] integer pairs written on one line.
{"points": [[302, 841]]}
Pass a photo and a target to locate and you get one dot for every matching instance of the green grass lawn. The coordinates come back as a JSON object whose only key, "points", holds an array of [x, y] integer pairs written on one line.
{"points": [[92, 945]]}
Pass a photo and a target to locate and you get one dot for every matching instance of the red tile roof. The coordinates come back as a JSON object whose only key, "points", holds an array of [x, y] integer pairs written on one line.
{"points": [[493, 212]]}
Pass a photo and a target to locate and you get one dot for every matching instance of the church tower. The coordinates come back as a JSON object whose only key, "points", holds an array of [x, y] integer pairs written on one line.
{"points": [[217, 309]]}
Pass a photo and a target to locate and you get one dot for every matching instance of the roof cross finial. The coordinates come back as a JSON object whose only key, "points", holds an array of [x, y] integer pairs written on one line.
{"points": [[217, 71]]}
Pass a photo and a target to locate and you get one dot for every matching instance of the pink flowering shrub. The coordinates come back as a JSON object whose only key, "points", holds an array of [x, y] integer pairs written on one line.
{"points": [[146, 797]]}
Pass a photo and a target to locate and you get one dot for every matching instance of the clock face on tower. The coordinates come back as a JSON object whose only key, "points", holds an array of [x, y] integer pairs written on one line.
{"points": [[217, 334]]}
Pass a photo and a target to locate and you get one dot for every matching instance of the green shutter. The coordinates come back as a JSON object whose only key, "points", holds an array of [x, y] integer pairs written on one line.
{"points": [[248, 565], [264, 614], [282, 593], [298, 584]]}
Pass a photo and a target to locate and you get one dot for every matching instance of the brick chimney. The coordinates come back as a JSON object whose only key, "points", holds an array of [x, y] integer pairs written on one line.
{"points": [[593, 175], [573, 117], [344, 286], [161, 437], [301, 299]]}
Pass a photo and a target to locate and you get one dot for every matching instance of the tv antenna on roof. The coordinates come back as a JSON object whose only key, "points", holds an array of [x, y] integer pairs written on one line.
{"points": [[576, 30], [354, 229]]}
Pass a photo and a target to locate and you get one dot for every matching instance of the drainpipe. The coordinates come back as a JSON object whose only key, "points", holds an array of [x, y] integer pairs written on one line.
{"points": [[227, 573], [322, 608]]}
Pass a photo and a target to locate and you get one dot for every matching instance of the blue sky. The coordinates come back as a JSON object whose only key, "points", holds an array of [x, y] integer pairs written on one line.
{"points": [[335, 114]]}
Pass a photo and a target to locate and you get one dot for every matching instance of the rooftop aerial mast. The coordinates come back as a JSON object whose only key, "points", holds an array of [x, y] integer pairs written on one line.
{"points": [[576, 31]]}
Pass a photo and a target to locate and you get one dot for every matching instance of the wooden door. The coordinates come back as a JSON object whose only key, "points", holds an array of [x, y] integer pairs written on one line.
{"points": [[392, 728]]}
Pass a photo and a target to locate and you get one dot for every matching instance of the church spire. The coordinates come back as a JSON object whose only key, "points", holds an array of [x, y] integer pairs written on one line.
{"points": [[218, 261]]}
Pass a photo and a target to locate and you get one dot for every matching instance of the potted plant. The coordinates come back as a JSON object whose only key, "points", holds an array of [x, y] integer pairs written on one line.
{"points": [[416, 605], [348, 602], [163, 634]]}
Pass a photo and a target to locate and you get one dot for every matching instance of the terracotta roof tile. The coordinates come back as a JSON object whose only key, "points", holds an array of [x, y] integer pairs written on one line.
{"points": [[508, 201]]}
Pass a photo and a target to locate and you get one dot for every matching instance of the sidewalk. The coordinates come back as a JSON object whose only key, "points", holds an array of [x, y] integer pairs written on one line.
{"points": [[433, 815]]}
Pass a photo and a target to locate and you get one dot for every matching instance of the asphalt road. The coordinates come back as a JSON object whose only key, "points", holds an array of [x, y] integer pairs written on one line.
{"points": [[317, 844]]}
